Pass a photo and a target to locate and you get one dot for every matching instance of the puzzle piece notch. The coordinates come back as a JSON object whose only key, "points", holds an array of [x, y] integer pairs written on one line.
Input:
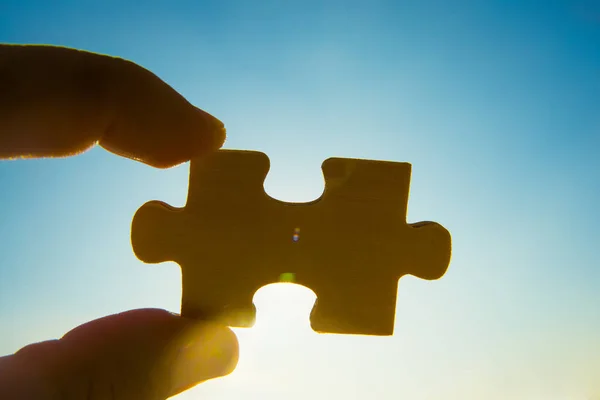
{"points": [[231, 238]]}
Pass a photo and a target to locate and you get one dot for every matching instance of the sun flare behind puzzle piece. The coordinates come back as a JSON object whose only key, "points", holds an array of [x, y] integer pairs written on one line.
{"points": [[350, 246]]}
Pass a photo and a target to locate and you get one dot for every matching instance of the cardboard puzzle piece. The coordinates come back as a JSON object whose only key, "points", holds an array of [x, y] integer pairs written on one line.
{"points": [[350, 246]]}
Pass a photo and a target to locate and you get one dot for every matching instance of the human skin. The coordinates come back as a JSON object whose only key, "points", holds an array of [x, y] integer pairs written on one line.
{"points": [[60, 102]]}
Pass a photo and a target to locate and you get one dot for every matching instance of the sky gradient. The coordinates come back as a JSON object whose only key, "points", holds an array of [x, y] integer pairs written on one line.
{"points": [[495, 104]]}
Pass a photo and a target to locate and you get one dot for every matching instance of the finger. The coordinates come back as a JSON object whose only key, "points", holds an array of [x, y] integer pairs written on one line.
{"points": [[141, 354], [57, 102]]}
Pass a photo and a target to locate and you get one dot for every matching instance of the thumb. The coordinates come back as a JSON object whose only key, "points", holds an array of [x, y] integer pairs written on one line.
{"points": [[141, 354]]}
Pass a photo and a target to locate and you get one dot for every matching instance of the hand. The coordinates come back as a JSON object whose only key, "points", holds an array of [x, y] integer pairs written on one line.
{"points": [[57, 102]]}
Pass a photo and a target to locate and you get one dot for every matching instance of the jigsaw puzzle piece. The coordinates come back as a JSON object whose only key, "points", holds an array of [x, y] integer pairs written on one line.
{"points": [[220, 211], [367, 246]]}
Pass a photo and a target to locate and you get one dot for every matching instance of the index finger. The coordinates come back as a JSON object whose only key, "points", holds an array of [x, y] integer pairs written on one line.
{"points": [[57, 102]]}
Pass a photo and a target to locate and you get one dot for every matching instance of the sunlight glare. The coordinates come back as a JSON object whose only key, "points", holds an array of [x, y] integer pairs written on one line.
{"points": [[283, 307]]}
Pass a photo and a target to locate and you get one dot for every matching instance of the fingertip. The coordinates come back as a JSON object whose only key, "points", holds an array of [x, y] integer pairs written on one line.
{"points": [[153, 123], [206, 351], [202, 135], [177, 353], [214, 132]]}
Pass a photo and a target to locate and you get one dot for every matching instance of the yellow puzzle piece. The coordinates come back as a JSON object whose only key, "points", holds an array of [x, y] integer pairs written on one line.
{"points": [[350, 246]]}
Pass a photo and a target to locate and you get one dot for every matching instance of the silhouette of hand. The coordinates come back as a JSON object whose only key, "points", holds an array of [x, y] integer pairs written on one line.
{"points": [[57, 102]]}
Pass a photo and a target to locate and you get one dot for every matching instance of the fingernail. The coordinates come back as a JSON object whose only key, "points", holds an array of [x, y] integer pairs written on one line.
{"points": [[217, 129], [208, 351]]}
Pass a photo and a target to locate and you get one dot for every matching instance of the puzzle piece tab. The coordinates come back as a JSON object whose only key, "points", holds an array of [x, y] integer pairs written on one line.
{"points": [[350, 246]]}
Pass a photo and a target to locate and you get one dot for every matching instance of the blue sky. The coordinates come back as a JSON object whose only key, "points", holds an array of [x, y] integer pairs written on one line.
{"points": [[497, 106]]}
